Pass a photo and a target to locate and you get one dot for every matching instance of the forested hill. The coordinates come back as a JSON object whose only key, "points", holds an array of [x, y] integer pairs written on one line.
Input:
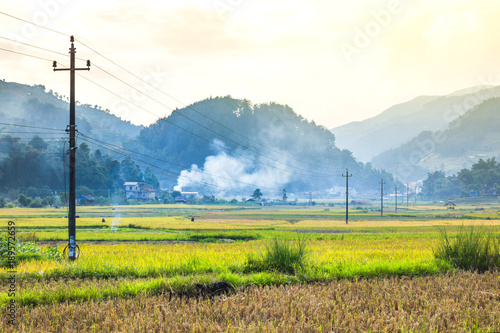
{"points": [[400, 123], [33, 105], [235, 146], [472, 136]]}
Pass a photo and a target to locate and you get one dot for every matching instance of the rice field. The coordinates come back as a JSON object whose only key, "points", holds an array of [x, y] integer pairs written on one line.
{"points": [[152, 267], [453, 302]]}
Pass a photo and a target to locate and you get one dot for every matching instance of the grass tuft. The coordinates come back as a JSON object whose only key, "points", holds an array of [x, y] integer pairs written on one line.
{"points": [[472, 248], [280, 255]]}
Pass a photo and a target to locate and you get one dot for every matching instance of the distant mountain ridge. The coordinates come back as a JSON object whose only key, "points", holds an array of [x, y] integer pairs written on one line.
{"points": [[400, 123], [215, 146], [233, 143], [470, 137], [33, 105]]}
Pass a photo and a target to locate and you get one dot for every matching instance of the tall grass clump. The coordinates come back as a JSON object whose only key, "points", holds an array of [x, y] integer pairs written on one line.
{"points": [[472, 248], [280, 255], [13, 253]]}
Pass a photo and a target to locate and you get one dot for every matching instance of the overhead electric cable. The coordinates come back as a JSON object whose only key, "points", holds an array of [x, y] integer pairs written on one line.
{"points": [[187, 106], [41, 48], [34, 46], [171, 174], [30, 126], [207, 128], [38, 25], [204, 139], [103, 144], [95, 51], [25, 54]]}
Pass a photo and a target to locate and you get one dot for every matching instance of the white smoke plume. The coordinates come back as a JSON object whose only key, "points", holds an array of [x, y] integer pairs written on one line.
{"points": [[235, 175]]}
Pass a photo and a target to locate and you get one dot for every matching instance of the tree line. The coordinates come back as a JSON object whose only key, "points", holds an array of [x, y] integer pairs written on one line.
{"points": [[38, 169], [483, 178]]}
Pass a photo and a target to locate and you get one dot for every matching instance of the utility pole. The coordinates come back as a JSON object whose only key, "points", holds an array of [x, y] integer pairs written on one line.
{"points": [[407, 189], [347, 195], [72, 150], [396, 189], [382, 197]]}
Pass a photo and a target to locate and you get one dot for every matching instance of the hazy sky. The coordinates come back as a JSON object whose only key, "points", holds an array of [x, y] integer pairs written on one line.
{"points": [[332, 61]]}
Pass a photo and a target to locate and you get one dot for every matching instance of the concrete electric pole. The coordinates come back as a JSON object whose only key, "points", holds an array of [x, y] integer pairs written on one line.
{"points": [[347, 195], [396, 197], [382, 197], [72, 150]]}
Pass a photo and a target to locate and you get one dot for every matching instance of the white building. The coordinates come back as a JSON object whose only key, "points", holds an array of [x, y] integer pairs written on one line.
{"points": [[139, 191]]}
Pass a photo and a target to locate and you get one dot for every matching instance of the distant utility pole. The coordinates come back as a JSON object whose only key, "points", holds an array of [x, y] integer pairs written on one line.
{"points": [[347, 195], [310, 198], [396, 189], [72, 150], [407, 191], [382, 197]]}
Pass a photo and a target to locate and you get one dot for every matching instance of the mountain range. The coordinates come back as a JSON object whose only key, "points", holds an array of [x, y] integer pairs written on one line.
{"points": [[34, 106], [221, 146], [470, 137], [401, 123], [408, 139]]}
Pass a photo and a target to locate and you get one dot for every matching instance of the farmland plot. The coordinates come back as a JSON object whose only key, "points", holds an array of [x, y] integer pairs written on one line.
{"points": [[150, 272]]}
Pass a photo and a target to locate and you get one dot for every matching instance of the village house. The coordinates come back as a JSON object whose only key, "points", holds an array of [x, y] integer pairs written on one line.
{"points": [[139, 191]]}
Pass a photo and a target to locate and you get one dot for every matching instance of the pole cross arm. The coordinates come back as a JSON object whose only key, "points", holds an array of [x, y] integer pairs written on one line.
{"points": [[69, 69]]}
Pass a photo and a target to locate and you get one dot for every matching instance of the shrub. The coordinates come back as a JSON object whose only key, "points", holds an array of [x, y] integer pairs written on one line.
{"points": [[471, 249], [24, 201], [280, 255], [25, 251], [37, 203], [10, 205]]}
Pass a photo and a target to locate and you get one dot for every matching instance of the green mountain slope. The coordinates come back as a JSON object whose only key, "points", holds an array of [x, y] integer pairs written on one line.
{"points": [[402, 122], [32, 105], [248, 146], [472, 136]]}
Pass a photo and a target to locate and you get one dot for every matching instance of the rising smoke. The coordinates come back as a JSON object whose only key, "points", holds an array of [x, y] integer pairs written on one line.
{"points": [[234, 175]]}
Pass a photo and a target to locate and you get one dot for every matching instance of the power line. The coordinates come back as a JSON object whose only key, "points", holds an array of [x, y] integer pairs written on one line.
{"points": [[37, 47], [204, 139], [174, 164], [30, 139], [25, 54], [27, 152], [190, 108], [116, 150], [38, 25], [169, 173], [205, 127], [158, 101], [29, 126], [41, 48], [319, 174], [36, 133]]}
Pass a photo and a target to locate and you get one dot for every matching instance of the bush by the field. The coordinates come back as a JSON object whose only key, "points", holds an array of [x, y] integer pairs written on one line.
{"points": [[280, 255], [472, 248], [24, 252]]}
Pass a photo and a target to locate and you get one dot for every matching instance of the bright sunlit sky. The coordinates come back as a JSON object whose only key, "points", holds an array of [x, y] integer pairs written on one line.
{"points": [[331, 61]]}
